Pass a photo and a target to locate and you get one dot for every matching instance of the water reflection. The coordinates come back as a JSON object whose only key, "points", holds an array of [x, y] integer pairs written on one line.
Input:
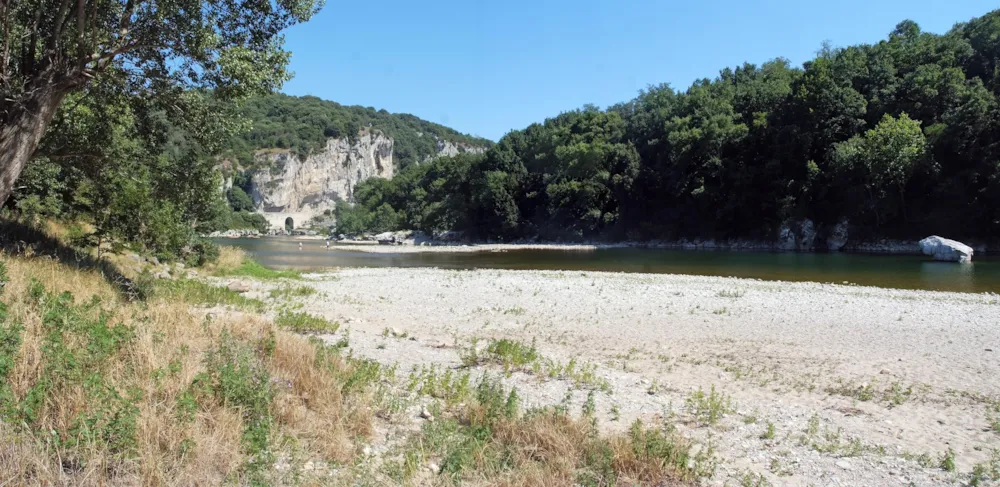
{"points": [[961, 277], [897, 271]]}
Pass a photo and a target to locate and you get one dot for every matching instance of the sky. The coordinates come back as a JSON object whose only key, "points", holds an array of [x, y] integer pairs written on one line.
{"points": [[487, 67]]}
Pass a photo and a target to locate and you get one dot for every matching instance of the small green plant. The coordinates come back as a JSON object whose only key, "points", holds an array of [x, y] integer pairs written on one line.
{"points": [[305, 323], [947, 462], [444, 384], [589, 407], [769, 432], [812, 429], [615, 413], [709, 408], [750, 479], [511, 354], [987, 471]]}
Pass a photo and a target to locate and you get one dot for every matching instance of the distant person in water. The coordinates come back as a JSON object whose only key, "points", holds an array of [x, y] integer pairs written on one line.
{"points": [[300, 245], [327, 245]]}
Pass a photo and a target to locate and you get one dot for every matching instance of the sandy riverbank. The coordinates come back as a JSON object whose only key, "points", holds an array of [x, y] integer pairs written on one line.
{"points": [[857, 382]]}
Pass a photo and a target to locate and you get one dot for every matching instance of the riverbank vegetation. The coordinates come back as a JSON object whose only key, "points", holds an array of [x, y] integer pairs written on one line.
{"points": [[900, 138], [161, 388]]}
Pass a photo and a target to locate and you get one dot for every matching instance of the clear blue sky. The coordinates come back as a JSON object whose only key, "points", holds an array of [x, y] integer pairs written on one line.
{"points": [[486, 67]]}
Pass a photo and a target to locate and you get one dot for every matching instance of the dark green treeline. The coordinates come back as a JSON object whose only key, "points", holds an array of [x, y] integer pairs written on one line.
{"points": [[900, 138]]}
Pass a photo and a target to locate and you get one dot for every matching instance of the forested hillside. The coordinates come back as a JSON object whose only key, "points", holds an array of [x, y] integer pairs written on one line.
{"points": [[143, 173], [303, 124], [901, 138]]}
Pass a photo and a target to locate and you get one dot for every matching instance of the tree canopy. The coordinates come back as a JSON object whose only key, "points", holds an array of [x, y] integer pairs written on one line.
{"points": [[901, 138], [121, 106], [304, 124]]}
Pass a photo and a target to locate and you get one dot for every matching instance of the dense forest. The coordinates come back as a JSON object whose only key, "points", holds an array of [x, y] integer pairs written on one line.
{"points": [[900, 138], [303, 124]]}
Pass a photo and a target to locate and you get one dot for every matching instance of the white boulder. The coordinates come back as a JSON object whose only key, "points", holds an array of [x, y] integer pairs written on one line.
{"points": [[946, 249]]}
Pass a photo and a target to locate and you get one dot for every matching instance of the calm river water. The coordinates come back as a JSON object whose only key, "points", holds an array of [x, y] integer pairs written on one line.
{"points": [[895, 271]]}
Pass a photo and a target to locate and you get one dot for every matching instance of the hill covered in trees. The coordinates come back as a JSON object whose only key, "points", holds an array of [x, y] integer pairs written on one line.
{"points": [[303, 124], [901, 138]]}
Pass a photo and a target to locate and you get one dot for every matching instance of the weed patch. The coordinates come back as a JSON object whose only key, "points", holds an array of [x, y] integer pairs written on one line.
{"points": [[709, 408], [290, 292], [516, 356], [234, 262], [305, 323], [201, 294], [492, 441]]}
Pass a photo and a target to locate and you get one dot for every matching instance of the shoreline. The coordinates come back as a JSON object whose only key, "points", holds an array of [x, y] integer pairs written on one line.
{"points": [[886, 247]]}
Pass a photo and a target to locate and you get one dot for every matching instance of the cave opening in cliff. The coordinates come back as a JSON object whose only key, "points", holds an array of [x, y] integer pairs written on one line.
{"points": [[289, 224]]}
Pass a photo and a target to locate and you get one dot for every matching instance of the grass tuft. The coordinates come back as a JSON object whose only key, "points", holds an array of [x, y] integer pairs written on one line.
{"points": [[199, 293], [305, 323], [235, 262]]}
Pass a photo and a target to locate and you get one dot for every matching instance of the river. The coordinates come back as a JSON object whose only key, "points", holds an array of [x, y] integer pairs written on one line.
{"points": [[892, 271]]}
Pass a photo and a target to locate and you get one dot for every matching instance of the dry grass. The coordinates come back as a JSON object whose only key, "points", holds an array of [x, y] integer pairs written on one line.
{"points": [[488, 441], [230, 257], [104, 391]]}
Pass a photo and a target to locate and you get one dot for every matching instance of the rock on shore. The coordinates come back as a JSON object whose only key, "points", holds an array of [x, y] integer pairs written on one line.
{"points": [[946, 249]]}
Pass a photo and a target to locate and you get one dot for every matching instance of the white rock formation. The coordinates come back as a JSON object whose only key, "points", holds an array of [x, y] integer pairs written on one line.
{"points": [[946, 249], [446, 148], [289, 184], [290, 190]]}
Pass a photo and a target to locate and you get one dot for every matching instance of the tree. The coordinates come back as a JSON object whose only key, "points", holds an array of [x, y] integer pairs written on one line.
{"points": [[239, 200], [884, 158], [52, 48]]}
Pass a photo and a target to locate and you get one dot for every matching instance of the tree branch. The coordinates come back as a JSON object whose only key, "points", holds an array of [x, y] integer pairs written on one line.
{"points": [[28, 56], [59, 22], [81, 21], [6, 40]]}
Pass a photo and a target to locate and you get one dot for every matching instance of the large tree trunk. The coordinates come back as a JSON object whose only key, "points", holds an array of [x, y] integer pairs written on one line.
{"points": [[19, 138]]}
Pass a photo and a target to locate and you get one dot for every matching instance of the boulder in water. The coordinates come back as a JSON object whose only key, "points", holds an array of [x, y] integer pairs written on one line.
{"points": [[946, 249]]}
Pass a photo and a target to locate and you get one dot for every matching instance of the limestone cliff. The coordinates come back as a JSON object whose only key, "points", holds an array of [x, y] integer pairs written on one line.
{"points": [[289, 184], [289, 187], [447, 148]]}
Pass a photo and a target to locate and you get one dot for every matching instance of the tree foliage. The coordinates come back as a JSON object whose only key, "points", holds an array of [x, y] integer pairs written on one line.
{"points": [[901, 138], [122, 105], [304, 124]]}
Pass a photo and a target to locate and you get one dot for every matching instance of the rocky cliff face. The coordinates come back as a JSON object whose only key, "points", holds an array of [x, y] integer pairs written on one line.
{"points": [[288, 184], [447, 148]]}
